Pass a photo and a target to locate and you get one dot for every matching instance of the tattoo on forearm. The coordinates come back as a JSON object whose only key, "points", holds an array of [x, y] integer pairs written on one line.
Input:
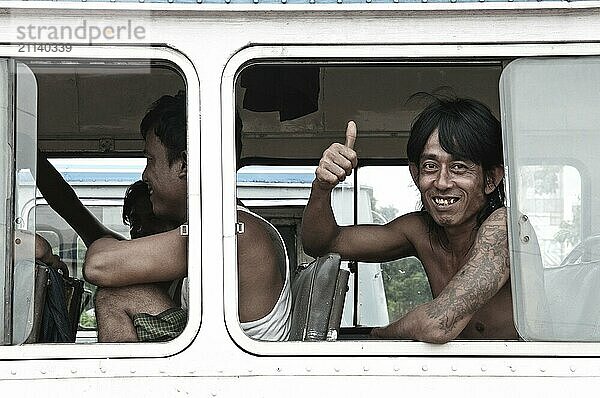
{"points": [[479, 279]]}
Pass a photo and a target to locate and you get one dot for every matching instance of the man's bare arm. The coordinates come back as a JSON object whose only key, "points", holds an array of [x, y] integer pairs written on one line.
{"points": [[157, 258], [319, 228], [444, 318], [320, 232], [61, 197]]}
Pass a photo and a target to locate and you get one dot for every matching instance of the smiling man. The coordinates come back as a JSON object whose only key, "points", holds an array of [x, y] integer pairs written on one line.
{"points": [[460, 236]]}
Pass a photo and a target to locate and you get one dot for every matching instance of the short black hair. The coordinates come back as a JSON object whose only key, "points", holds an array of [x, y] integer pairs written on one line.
{"points": [[468, 130], [166, 118]]}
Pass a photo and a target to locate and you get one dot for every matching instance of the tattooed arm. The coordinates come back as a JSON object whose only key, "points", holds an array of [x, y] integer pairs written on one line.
{"points": [[484, 273]]}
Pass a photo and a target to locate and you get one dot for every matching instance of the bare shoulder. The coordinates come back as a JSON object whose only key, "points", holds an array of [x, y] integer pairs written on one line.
{"points": [[256, 236], [414, 226], [493, 231], [416, 221], [498, 217]]}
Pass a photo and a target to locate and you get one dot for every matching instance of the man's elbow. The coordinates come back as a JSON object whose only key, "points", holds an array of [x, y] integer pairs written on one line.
{"points": [[313, 250], [437, 336], [95, 271]]}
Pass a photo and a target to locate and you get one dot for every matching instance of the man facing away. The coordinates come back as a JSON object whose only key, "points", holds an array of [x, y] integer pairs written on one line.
{"points": [[130, 304], [460, 236]]}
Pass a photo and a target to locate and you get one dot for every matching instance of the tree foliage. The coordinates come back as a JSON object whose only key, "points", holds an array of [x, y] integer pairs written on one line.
{"points": [[406, 286]]}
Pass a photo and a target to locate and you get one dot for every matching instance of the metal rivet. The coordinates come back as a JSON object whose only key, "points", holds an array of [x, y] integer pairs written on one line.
{"points": [[484, 368], [102, 370], [513, 369], [308, 369], [542, 370], [424, 368], [524, 218], [526, 238], [365, 368], [396, 368], [572, 368], [43, 371], [132, 371], [336, 370], [453, 367], [13, 372], [73, 371]]}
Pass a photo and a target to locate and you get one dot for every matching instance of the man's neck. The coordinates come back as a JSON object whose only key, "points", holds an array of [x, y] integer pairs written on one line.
{"points": [[459, 241]]}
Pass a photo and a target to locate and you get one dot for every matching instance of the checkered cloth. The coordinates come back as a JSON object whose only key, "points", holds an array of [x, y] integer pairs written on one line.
{"points": [[162, 327]]}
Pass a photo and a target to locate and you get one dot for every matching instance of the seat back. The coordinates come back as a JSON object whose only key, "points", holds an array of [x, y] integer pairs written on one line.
{"points": [[318, 292]]}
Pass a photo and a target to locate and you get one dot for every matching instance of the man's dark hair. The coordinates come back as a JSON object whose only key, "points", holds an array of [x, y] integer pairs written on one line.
{"points": [[468, 130], [167, 119]]}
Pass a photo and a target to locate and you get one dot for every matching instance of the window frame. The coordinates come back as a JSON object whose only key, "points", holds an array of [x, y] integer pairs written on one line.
{"points": [[136, 54], [365, 54]]}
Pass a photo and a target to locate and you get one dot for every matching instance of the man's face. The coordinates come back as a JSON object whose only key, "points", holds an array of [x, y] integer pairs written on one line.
{"points": [[452, 190], [167, 183]]}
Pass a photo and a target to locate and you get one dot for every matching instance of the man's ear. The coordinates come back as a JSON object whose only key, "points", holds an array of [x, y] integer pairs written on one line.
{"points": [[414, 172], [182, 172], [493, 178]]}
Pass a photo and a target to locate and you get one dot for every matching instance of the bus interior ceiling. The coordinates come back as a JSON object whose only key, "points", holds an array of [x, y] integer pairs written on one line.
{"points": [[382, 99], [95, 110]]}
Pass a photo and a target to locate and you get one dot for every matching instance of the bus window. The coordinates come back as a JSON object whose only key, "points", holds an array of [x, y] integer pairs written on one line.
{"points": [[290, 125], [90, 132], [391, 194], [551, 143]]}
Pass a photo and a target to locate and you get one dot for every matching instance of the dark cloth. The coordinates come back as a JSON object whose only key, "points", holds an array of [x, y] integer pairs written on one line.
{"points": [[56, 324], [291, 90]]}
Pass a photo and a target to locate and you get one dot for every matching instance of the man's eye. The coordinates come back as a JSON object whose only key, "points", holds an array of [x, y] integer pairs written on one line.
{"points": [[459, 167], [429, 166]]}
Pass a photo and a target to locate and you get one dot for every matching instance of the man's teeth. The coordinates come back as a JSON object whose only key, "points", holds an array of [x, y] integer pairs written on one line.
{"points": [[444, 201]]}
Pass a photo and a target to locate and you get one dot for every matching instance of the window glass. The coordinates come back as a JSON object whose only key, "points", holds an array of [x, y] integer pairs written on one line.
{"points": [[551, 199], [550, 130], [25, 179], [5, 132], [389, 193], [79, 116]]}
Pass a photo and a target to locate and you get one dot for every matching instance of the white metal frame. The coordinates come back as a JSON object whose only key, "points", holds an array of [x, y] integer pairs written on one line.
{"points": [[364, 54], [105, 350]]}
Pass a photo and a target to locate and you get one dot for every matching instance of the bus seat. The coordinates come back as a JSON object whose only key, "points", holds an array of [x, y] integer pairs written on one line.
{"points": [[39, 301], [318, 292], [71, 288]]}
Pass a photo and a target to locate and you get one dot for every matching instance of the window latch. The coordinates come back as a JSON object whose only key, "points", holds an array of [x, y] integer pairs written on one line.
{"points": [[239, 227], [184, 230]]}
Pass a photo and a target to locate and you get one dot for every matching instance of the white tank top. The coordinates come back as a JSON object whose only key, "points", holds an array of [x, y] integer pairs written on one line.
{"points": [[275, 326]]}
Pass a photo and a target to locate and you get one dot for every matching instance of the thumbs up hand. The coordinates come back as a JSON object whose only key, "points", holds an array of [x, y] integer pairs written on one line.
{"points": [[338, 161]]}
